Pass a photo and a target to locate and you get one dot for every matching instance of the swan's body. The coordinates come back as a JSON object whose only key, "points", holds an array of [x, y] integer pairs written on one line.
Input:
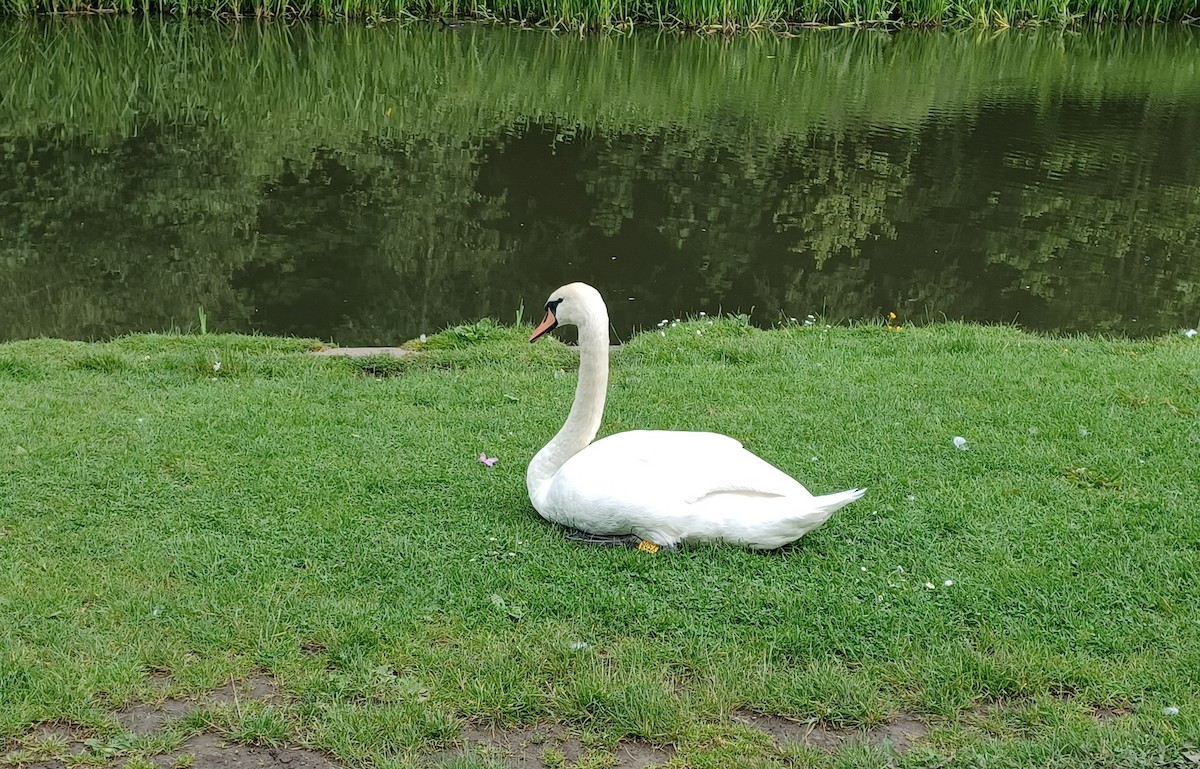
{"points": [[665, 487]]}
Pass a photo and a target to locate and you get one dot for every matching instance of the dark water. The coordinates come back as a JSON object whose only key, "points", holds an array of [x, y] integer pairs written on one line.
{"points": [[366, 185]]}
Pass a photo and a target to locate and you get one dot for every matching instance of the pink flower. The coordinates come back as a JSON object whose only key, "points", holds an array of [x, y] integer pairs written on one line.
{"points": [[486, 460]]}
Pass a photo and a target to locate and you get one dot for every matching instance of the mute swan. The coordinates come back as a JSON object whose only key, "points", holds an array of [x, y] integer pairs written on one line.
{"points": [[657, 488]]}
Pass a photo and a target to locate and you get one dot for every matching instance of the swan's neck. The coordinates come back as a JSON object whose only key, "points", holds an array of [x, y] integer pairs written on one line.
{"points": [[586, 412]]}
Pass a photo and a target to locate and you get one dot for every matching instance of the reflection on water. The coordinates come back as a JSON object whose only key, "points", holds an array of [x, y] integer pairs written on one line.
{"points": [[369, 184]]}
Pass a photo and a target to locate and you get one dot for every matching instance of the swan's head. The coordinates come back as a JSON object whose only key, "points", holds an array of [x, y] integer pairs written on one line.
{"points": [[575, 304]]}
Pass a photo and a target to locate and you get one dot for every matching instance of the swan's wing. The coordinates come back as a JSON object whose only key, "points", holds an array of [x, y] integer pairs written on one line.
{"points": [[659, 466]]}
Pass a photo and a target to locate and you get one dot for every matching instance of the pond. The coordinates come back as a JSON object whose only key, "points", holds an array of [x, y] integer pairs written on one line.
{"points": [[366, 184]]}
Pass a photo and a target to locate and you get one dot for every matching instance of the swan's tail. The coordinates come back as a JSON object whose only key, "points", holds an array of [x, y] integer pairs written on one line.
{"points": [[790, 525], [829, 504]]}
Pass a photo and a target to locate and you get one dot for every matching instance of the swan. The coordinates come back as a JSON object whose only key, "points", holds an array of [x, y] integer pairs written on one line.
{"points": [[657, 488]]}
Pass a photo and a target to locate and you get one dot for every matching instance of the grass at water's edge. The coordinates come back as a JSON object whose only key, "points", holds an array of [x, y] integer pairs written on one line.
{"points": [[176, 511], [726, 16]]}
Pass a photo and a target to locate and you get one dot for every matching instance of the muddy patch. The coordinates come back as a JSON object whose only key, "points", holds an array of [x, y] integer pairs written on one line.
{"points": [[51, 739], [148, 718], [1103, 713], [900, 732], [48, 745], [544, 746], [207, 751], [145, 719], [362, 352]]}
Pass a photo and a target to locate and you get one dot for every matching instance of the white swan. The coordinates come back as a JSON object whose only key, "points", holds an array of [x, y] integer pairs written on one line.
{"points": [[662, 487]]}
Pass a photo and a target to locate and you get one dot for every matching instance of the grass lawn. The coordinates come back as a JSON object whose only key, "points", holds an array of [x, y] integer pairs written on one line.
{"points": [[167, 528]]}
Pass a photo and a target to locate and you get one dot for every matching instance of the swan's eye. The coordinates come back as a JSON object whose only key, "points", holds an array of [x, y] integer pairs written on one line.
{"points": [[553, 304]]}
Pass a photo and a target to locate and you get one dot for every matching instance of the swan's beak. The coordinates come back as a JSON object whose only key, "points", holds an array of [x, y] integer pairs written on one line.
{"points": [[547, 325]]}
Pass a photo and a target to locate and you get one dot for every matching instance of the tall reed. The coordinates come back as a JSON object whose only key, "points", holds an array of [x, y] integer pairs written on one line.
{"points": [[724, 16]]}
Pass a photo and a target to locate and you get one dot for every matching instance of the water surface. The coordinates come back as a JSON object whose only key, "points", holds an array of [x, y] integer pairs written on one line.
{"points": [[368, 184]]}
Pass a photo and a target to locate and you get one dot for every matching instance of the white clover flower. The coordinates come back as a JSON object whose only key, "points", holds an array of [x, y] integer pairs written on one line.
{"points": [[960, 443]]}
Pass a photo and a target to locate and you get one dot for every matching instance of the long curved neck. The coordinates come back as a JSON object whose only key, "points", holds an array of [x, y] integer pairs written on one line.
{"points": [[586, 412]]}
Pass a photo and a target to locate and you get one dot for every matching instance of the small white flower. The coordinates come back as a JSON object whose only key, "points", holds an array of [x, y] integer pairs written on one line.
{"points": [[579, 645], [697, 332], [421, 337], [812, 459], [862, 568], [948, 582], [1083, 432], [139, 420], [960, 443], [1191, 332], [912, 497], [1171, 711], [929, 586], [703, 314], [662, 333], [216, 366]]}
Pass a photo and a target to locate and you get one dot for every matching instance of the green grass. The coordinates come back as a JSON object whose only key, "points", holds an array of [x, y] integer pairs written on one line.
{"points": [[293, 516]]}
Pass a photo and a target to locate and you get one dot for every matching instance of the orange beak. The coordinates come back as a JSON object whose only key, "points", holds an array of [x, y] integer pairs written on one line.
{"points": [[546, 326]]}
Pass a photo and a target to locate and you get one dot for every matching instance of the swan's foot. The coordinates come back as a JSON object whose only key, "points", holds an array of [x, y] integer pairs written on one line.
{"points": [[604, 540], [615, 540]]}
